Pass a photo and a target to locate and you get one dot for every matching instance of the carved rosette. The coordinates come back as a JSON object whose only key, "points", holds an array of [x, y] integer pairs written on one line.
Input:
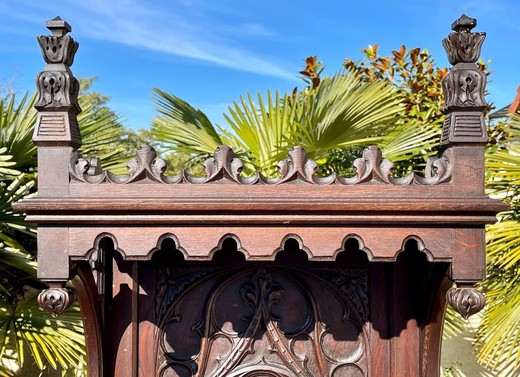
{"points": [[56, 300], [466, 301], [371, 168], [464, 86], [57, 88]]}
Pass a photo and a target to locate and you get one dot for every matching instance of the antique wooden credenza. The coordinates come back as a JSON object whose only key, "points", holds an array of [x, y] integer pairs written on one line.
{"points": [[228, 275]]}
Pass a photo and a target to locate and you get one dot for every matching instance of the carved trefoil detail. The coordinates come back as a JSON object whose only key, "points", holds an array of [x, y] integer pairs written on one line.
{"points": [[260, 322], [371, 168]]}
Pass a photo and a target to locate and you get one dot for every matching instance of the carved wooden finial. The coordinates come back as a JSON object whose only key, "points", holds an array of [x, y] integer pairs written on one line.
{"points": [[56, 299], [58, 26], [464, 85], [463, 24], [58, 89]]}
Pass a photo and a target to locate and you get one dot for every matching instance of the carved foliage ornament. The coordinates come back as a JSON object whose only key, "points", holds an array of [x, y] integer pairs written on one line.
{"points": [[58, 49], [56, 300], [223, 166], [57, 87], [463, 46], [466, 301], [57, 90], [464, 85], [464, 88]]}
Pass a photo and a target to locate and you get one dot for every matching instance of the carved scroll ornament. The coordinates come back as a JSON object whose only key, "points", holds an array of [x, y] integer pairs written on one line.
{"points": [[223, 166]]}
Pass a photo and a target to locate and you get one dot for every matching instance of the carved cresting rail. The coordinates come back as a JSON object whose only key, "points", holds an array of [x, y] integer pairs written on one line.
{"points": [[79, 207]]}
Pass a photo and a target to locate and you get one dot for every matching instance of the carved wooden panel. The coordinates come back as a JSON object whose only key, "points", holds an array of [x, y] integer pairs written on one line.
{"points": [[262, 320]]}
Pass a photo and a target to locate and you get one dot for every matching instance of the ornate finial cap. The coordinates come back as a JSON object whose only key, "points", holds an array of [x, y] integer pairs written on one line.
{"points": [[463, 46], [58, 27], [463, 24]]}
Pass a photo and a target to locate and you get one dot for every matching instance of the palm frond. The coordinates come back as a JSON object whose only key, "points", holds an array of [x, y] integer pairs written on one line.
{"points": [[261, 132], [102, 135], [16, 128], [12, 222], [498, 336], [411, 141], [57, 342], [183, 128], [343, 111]]}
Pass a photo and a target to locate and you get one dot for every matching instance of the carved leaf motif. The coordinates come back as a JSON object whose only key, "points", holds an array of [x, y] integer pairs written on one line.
{"points": [[171, 283], [223, 167], [57, 90], [56, 300], [297, 166], [462, 46], [466, 301], [464, 88], [438, 170], [58, 49]]}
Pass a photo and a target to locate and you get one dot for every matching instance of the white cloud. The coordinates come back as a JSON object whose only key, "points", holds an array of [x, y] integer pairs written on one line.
{"points": [[182, 31]]}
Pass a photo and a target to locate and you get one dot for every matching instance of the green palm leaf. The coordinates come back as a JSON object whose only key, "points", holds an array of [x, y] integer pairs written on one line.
{"points": [[12, 223], [498, 337], [16, 128], [183, 128], [261, 132], [341, 112], [57, 342], [344, 111], [102, 135]]}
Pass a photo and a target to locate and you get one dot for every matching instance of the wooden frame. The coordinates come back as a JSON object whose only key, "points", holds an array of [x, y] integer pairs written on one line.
{"points": [[390, 246]]}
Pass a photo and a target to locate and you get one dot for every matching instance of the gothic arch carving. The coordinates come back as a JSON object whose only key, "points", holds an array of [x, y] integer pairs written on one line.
{"points": [[421, 247], [223, 239], [159, 246], [298, 239], [244, 311], [361, 246]]}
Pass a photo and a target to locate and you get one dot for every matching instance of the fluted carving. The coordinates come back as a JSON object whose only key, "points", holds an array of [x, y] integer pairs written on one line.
{"points": [[371, 168], [466, 301], [56, 300]]}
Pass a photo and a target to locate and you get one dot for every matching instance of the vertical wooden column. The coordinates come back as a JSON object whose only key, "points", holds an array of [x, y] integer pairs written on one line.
{"points": [[56, 134], [465, 134]]}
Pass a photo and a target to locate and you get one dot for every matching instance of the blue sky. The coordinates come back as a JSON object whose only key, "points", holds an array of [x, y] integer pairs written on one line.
{"points": [[210, 52]]}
